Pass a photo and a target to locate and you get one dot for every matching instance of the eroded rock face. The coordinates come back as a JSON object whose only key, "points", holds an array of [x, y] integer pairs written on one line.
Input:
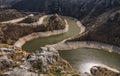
{"points": [[101, 71], [43, 58], [10, 57]]}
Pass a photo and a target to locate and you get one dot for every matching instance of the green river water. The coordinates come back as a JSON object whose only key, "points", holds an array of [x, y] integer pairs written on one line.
{"points": [[37, 43], [81, 59]]}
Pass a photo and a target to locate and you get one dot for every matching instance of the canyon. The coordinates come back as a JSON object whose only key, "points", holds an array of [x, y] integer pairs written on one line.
{"points": [[97, 21]]}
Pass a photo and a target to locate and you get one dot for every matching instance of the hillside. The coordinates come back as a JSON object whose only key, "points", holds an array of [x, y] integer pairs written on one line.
{"points": [[17, 62], [106, 30], [81, 8], [96, 15], [11, 32], [10, 14], [99, 18]]}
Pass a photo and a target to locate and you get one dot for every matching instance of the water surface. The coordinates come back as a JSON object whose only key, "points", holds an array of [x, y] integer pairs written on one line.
{"points": [[37, 43], [83, 59]]}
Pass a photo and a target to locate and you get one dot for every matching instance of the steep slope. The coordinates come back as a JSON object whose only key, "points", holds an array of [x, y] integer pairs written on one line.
{"points": [[46, 61], [106, 30], [10, 2], [10, 14], [81, 8]]}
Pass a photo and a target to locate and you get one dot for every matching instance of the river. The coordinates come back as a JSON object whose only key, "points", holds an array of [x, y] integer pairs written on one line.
{"points": [[81, 59], [37, 43]]}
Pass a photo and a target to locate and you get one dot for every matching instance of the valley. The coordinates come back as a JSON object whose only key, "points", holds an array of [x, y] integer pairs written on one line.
{"points": [[37, 35]]}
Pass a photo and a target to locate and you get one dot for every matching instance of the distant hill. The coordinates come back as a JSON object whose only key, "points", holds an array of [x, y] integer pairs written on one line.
{"points": [[7, 3], [74, 8], [101, 17]]}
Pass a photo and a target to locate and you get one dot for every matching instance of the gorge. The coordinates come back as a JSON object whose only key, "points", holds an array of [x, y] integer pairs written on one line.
{"points": [[85, 32]]}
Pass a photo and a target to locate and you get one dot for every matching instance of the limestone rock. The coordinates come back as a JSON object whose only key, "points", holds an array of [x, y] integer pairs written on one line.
{"points": [[41, 59], [16, 62], [102, 71]]}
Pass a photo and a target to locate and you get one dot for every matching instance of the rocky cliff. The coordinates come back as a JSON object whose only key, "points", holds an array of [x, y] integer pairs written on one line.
{"points": [[46, 61]]}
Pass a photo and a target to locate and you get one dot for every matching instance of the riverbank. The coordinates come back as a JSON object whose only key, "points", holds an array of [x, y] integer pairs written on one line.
{"points": [[85, 44], [17, 20], [34, 24], [32, 36], [65, 45]]}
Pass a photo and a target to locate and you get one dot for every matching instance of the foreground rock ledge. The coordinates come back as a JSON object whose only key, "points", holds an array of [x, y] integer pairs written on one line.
{"points": [[16, 62]]}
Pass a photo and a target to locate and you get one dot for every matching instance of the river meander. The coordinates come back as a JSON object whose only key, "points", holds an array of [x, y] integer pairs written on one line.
{"points": [[37, 43], [81, 59]]}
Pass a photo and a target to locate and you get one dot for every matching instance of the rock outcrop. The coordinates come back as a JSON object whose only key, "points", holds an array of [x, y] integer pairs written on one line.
{"points": [[55, 23], [101, 71], [46, 61], [10, 57]]}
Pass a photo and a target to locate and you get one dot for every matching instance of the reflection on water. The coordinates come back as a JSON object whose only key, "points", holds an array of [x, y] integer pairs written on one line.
{"points": [[84, 59], [85, 67]]}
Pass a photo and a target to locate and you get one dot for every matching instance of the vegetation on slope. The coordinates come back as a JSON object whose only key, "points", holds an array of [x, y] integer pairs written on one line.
{"points": [[73, 8], [10, 32], [10, 14], [55, 23], [46, 61], [106, 30]]}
